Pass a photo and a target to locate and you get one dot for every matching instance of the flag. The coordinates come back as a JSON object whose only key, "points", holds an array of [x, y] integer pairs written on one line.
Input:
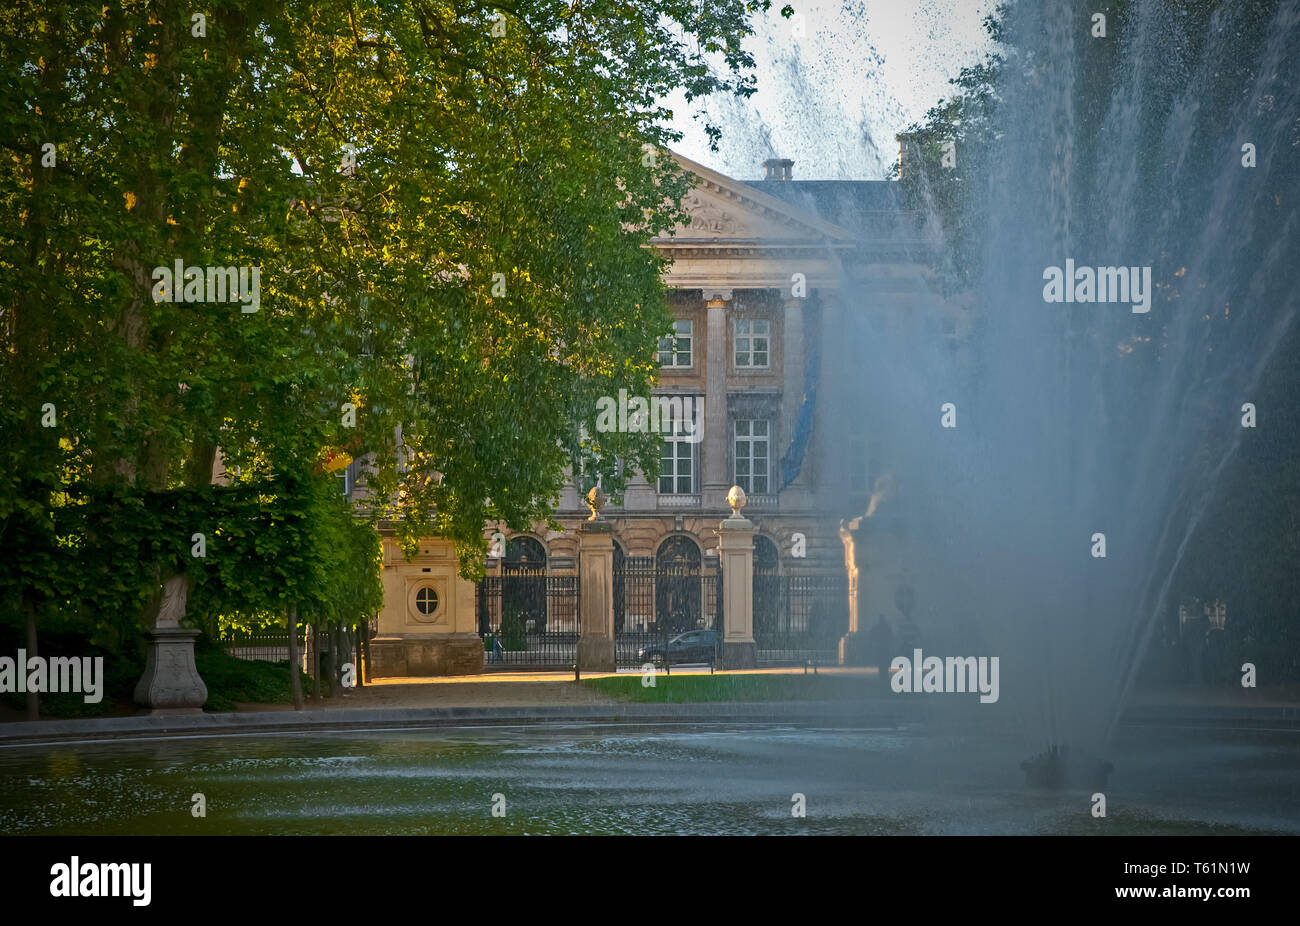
{"points": [[792, 462]]}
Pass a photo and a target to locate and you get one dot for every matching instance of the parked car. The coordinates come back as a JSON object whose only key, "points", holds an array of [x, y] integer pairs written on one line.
{"points": [[692, 646]]}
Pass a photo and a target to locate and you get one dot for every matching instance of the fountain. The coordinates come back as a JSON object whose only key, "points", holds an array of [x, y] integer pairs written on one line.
{"points": [[1052, 471]]}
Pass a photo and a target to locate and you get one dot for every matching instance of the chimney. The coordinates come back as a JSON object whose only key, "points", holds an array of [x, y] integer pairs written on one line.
{"points": [[906, 146], [777, 168]]}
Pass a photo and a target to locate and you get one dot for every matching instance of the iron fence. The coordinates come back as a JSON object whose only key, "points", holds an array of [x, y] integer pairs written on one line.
{"points": [[261, 647], [528, 618], [799, 618], [654, 604]]}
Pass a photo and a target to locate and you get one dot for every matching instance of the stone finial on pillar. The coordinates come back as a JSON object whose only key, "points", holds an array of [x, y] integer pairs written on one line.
{"points": [[596, 500], [736, 562], [596, 590]]}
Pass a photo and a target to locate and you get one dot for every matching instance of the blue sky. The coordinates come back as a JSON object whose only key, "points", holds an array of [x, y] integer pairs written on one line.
{"points": [[833, 98]]}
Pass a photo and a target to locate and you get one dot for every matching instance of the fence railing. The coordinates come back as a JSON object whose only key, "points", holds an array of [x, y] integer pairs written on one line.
{"points": [[263, 647], [529, 618], [654, 604], [799, 617], [270, 647]]}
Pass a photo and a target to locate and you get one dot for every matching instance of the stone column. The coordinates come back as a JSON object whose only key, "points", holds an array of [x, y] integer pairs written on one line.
{"points": [[831, 403], [171, 682], [854, 650], [596, 589], [736, 559], [794, 375], [716, 479]]}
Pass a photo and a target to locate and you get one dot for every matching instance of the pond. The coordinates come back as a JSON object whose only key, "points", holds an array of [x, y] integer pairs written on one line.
{"points": [[631, 779]]}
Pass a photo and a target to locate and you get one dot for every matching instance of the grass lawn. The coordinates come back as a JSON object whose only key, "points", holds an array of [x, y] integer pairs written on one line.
{"points": [[681, 689]]}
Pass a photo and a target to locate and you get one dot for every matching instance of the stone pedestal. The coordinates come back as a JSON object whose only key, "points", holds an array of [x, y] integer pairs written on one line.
{"points": [[736, 558], [171, 683], [596, 581]]}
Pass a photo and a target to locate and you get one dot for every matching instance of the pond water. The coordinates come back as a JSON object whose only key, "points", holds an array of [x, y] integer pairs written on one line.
{"points": [[630, 779]]}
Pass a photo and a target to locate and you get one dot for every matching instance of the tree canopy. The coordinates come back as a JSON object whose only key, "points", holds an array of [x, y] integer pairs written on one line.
{"points": [[438, 214]]}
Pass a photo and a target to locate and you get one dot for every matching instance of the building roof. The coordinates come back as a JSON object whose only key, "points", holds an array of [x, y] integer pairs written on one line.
{"points": [[846, 203]]}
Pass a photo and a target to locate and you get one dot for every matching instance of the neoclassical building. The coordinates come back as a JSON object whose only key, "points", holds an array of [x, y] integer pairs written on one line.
{"points": [[766, 280], [759, 280]]}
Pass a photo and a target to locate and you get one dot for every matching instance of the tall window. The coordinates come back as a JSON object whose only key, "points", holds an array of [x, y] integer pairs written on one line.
{"points": [[343, 482], [676, 351], [752, 338], [677, 464], [752, 440]]}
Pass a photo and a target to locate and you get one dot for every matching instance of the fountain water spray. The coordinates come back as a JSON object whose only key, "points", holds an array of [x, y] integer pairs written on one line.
{"points": [[1087, 437]]}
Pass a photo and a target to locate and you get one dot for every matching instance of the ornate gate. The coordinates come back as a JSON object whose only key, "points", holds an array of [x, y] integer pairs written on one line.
{"points": [[656, 599]]}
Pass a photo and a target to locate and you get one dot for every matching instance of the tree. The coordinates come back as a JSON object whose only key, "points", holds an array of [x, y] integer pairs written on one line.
{"points": [[437, 214]]}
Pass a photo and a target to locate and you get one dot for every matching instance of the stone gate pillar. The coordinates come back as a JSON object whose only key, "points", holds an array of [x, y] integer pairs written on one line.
{"points": [[596, 589], [736, 560]]}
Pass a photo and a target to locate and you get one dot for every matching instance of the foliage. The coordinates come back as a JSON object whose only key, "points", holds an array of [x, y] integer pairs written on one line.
{"points": [[447, 306], [514, 632], [249, 681]]}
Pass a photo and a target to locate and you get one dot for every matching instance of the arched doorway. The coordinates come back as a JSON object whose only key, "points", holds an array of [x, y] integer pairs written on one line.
{"points": [[523, 587], [678, 585], [767, 586]]}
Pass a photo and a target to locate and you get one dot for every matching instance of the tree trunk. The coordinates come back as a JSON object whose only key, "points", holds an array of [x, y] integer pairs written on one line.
{"points": [[361, 654], [295, 678], [315, 663], [335, 668], [33, 700]]}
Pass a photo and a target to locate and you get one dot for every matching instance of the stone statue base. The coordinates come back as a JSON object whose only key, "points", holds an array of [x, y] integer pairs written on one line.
{"points": [[596, 654], [171, 681]]}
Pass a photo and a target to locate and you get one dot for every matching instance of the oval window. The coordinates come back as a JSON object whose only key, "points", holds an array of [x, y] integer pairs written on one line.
{"points": [[426, 601]]}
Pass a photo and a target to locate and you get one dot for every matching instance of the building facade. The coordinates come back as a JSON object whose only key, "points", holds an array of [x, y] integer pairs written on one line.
{"points": [[761, 279], [765, 280]]}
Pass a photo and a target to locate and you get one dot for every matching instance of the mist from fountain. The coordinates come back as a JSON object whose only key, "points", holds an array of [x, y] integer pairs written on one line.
{"points": [[1085, 418]]}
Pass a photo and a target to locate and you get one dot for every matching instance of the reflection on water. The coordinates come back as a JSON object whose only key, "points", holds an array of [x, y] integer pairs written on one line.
{"points": [[723, 779]]}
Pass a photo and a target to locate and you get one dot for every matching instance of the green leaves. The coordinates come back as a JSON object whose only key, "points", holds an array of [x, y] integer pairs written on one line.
{"points": [[378, 163]]}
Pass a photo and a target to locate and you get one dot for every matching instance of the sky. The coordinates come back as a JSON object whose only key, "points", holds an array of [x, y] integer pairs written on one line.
{"points": [[837, 85]]}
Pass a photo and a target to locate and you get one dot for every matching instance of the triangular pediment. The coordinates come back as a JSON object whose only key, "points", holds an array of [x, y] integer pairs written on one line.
{"points": [[727, 211]]}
